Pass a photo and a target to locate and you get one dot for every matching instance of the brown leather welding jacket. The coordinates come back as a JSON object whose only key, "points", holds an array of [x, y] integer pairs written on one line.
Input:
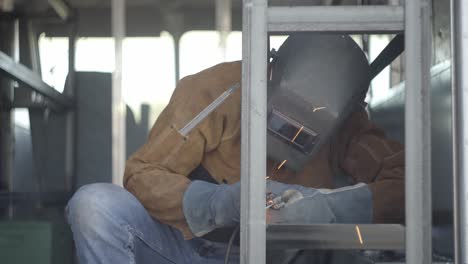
{"points": [[157, 174]]}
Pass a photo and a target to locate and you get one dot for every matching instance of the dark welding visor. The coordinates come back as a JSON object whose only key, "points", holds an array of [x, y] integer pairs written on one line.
{"points": [[293, 132]]}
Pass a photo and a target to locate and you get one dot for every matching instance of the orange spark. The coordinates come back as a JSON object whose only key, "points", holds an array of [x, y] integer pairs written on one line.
{"points": [[358, 231], [281, 165], [297, 134]]}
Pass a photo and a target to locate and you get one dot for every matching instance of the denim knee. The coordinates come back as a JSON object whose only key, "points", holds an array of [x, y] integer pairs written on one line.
{"points": [[96, 207]]}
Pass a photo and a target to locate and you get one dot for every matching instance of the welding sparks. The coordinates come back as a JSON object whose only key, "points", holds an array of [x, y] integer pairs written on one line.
{"points": [[297, 134], [318, 109], [358, 231], [281, 165]]}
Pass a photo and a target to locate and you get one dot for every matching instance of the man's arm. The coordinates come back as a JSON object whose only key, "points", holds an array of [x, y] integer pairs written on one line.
{"points": [[157, 173], [370, 157]]}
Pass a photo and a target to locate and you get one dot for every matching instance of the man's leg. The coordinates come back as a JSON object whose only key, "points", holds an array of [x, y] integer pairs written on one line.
{"points": [[110, 226]]}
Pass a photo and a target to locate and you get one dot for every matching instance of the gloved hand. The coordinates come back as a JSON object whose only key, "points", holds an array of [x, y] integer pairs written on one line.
{"points": [[351, 204], [209, 206]]}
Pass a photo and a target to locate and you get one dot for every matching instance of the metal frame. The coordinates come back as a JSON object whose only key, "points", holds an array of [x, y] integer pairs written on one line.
{"points": [[253, 141], [418, 44], [369, 19], [414, 18], [23, 75], [459, 14], [336, 236], [118, 106]]}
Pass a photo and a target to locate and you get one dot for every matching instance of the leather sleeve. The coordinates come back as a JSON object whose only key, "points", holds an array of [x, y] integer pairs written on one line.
{"points": [[370, 157], [157, 173]]}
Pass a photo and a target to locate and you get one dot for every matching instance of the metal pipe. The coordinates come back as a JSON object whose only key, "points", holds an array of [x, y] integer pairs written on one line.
{"points": [[459, 16], [253, 150], [70, 136], [418, 44], [336, 18], [223, 22], [177, 57], [118, 106]]}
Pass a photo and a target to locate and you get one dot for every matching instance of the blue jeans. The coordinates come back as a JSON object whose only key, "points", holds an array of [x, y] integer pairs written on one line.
{"points": [[111, 226]]}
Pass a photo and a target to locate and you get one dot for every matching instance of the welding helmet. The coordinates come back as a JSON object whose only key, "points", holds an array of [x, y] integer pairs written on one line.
{"points": [[315, 82]]}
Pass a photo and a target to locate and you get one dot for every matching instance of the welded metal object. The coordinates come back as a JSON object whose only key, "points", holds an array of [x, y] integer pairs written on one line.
{"points": [[369, 19], [336, 236], [418, 48], [253, 152]]}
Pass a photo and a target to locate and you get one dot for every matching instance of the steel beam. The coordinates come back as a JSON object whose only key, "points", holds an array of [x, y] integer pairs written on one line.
{"points": [[349, 19], [118, 106], [418, 42], [61, 8], [253, 150], [459, 15], [336, 236], [23, 75]]}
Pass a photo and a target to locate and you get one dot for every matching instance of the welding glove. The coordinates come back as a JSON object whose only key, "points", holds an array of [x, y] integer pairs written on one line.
{"points": [[208, 206], [351, 204]]}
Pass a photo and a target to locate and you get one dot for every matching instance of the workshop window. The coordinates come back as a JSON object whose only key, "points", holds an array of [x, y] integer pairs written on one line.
{"points": [[202, 49]]}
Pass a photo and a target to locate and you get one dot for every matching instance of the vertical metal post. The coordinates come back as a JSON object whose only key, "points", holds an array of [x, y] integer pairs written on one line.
{"points": [[417, 131], [177, 57], [175, 23], [253, 161], [118, 106], [459, 16], [7, 45], [70, 147], [223, 23]]}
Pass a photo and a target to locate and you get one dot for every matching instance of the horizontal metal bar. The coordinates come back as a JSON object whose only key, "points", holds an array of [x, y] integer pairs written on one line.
{"points": [[336, 236], [23, 75], [27, 98], [346, 19]]}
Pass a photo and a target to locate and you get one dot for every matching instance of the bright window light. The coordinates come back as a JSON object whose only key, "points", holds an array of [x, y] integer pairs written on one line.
{"points": [[148, 66]]}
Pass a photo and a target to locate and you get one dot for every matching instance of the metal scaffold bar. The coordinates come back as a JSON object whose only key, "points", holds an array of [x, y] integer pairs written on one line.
{"points": [[118, 106], [378, 19], [459, 15], [336, 236], [253, 161], [418, 49], [23, 75]]}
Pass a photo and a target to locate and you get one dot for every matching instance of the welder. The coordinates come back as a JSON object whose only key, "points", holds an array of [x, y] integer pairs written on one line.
{"points": [[182, 186]]}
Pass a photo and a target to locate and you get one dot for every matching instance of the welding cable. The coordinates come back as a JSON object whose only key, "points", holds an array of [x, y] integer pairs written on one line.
{"points": [[231, 241]]}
